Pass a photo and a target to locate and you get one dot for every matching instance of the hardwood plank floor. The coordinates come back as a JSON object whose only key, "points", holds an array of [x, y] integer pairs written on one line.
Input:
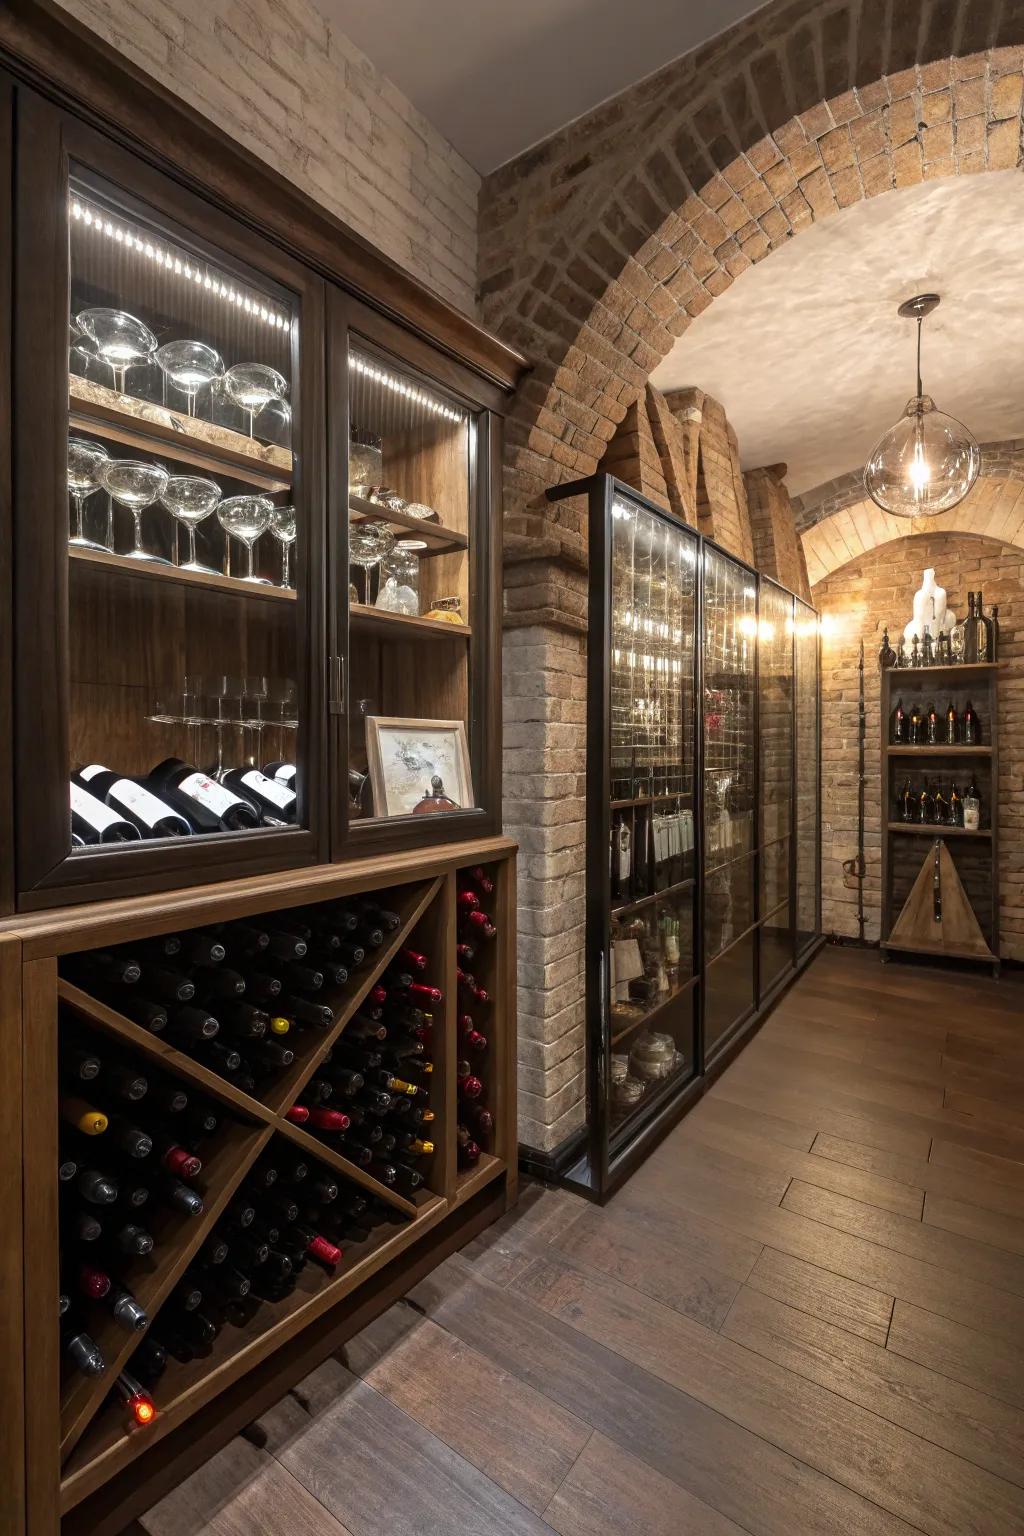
{"points": [[803, 1314]]}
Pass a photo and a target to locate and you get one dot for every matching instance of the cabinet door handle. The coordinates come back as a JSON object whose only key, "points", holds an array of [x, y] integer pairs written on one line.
{"points": [[337, 676]]}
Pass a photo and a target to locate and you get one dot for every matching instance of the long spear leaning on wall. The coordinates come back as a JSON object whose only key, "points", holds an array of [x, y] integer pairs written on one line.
{"points": [[853, 869]]}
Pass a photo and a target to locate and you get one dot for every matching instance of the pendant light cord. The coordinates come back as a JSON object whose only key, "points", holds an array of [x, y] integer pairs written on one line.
{"points": [[919, 390]]}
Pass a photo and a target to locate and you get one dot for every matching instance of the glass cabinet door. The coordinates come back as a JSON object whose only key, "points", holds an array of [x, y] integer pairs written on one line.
{"points": [[730, 765], [412, 564], [179, 524], [807, 780], [649, 890], [775, 635]]}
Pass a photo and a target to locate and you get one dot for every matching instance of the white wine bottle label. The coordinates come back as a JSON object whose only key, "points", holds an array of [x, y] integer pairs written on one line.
{"points": [[286, 775], [92, 770], [214, 796], [276, 793], [144, 805], [98, 815]]}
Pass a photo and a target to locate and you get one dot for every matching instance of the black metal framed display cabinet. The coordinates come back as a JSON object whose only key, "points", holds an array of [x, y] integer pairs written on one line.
{"points": [[702, 815]]}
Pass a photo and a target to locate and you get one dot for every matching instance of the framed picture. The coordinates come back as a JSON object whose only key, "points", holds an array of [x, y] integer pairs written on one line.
{"points": [[418, 765]]}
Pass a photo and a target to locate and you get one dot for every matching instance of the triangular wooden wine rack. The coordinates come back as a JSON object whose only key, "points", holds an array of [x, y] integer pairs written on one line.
{"points": [[235, 1150], [955, 930]]}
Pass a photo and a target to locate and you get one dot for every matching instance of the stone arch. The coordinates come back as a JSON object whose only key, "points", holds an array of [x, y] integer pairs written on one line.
{"points": [[632, 253], [994, 509]]}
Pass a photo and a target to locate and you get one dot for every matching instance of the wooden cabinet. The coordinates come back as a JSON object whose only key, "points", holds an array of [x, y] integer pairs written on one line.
{"points": [[254, 519]]}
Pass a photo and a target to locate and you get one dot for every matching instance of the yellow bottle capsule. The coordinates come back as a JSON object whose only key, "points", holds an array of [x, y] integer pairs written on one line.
{"points": [[428, 1114], [421, 1148], [399, 1085], [279, 1026], [91, 1122]]}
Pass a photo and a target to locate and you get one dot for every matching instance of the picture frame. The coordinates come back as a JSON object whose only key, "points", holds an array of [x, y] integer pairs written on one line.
{"points": [[405, 755]]}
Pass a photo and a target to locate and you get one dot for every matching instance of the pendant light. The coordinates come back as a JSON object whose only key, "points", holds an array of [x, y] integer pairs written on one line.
{"points": [[928, 461]]}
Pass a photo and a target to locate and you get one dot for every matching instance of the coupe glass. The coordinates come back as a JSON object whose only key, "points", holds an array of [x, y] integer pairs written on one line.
{"points": [[368, 543], [245, 518], [191, 499], [84, 463], [254, 385], [120, 340], [283, 527], [135, 485], [189, 366]]}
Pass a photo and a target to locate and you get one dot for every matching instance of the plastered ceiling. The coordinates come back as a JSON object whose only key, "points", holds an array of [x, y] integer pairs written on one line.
{"points": [[812, 363]]}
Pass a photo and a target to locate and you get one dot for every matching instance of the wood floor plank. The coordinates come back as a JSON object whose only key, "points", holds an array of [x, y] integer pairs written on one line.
{"points": [[932, 1245], [953, 1349], [746, 1150], [987, 1111], [377, 1470], [934, 1178], [809, 1111], [718, 1109], [238, 1492], [947, 1413], [982, 1165], [738, 1473], [696, 1270], [965, 1218], [938, 1493], [831, 1298], [894, 1273], [803, 1033], [874, 1085], [966, 1048], [609, 1492]]}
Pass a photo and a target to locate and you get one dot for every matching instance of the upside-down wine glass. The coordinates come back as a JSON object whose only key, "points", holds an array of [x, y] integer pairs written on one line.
{"points": [[84, 463], [191, 499], [136, 485], [189, 366], [368, 543], [284, 527], [245, 518], [121, 340], [254, 385]]}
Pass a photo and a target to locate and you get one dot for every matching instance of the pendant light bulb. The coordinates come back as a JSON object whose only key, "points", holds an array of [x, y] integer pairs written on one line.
{"points": [[928, 461]]}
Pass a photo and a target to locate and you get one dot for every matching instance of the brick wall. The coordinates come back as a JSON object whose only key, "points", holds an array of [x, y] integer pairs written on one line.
{"points": [[778, 551], [276, 76], [858, 600]]}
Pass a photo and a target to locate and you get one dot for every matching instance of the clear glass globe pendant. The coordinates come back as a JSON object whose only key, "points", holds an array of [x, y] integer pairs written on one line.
{"points": [[928, 461]]}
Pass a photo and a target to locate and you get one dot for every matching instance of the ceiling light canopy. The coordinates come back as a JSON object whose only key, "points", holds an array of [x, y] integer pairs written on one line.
{"points": [[928, 461]]}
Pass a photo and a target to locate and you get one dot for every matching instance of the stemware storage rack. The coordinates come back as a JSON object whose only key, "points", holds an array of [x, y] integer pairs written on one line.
{"points": [[90, 640]]}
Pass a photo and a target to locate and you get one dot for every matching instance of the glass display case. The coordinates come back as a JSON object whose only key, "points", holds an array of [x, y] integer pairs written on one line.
{"points": [[702, 830], [233, 660]]}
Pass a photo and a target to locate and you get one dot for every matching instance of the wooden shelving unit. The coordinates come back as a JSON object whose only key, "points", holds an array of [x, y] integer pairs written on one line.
{"points": [[438, 539], [84, 1460], [976, 855], [380, 622], [154, 570]]}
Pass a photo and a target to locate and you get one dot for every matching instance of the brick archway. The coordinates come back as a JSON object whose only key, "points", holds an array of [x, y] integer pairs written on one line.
{"points": [[619, 287], [994, 509]]}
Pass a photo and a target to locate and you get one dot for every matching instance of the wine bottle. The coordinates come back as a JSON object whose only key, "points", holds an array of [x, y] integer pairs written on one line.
{"points": [[469, 1085], [96, 1187], [209, 805], [126, 1311], [993, 645], [249, 938], [483, 927], [132, 800], [131, 1239], [302, 976], [244, 1021], [931, 729], [305, 1010], [277, 803], [926, 805], [956, 808], [478, 1119], [214, 982], [898, 729], [92, 1283], [95, 822], [916, 727], [285, 945], [970, 727], [373, 913], [284, 773], [200, 947], [79, 1065], [981, 629], [465, 954], [83, 1116], [149, 1360], [941, 816], [970, 632], [100, 967], [169, 985], [171, 1192], [82, 1352], [322, 1119], [952, 725], [189, 1026], [480, 878], [151, 1015]]}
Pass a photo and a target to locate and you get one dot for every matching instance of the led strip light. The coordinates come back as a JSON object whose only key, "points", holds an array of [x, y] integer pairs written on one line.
{"points": [[189, 271], [402, 387]]}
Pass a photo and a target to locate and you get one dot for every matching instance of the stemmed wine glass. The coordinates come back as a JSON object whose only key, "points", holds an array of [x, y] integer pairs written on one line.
{"points": [[368, 543], [191, 499], [245, 518], [283, 526], [254, 385], [121, 340], [84, 463], [189, 365], [136, 485]]}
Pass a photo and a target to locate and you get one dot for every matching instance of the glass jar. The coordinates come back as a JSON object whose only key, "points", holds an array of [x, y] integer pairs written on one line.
{"points": [[365, 461], [400, 580]]}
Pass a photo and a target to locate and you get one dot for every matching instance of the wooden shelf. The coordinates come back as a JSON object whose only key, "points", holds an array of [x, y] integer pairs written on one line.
{"points": [[143, 424], [927, 829], [650, 1018], [895, 751], [955, 669], [469, 1180], [625, 805], [403, 626], [647, 901], [941, 952], [152, 570], [438, 539]]}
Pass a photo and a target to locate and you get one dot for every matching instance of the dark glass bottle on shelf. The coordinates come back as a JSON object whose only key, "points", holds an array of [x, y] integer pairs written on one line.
{"points": [[95, 822], [899, 728], [952, 725], [915, 730], [926, 804], [981, 630], [206, 804], [941, 816], [970, 727], [993, 651], [886, 654], [932, 732], [132, 800], [621, 857], [956, 807], [906, 802], [970, 632]]}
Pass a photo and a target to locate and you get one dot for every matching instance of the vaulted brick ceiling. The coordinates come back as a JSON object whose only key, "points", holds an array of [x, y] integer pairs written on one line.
{"points": [[497, 78], [809, 357]]}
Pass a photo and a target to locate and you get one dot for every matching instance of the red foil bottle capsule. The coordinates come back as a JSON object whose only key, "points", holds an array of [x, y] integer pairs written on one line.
{"points": [[329, 1119], [419, 990], [93, 1282], [185, 1165], [414, 959], [481, 923], [467, 900], [482, 879], [324, 1252], [378, 994], [470, 1087], [298, 1114]]}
